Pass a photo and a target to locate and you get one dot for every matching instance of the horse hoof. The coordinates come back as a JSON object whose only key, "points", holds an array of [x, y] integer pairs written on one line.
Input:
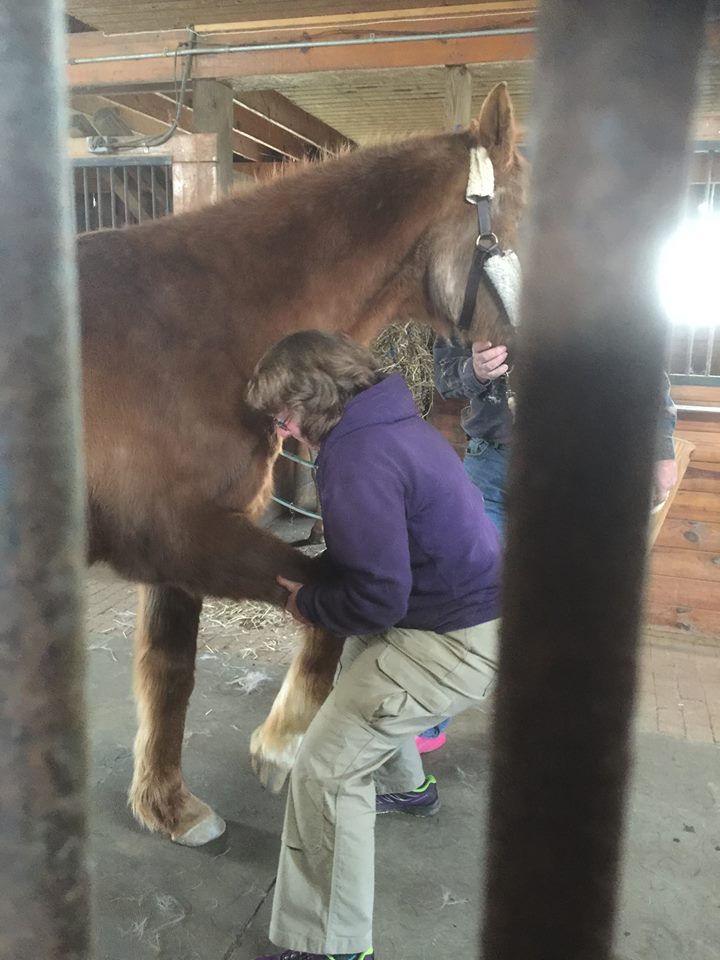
{"points": [[273, 758], [210, 828]]}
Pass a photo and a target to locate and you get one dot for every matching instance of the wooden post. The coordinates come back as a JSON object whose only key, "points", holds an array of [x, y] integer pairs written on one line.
{"points": [[213, 113], [613, 99], [44, 902], [458, 97]]}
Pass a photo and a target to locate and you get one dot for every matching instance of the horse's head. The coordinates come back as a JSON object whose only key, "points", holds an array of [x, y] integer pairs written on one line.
{"points": [[451, 243]]}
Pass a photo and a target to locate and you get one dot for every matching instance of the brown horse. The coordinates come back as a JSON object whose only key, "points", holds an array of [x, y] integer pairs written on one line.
{"points": [[175, 314]]}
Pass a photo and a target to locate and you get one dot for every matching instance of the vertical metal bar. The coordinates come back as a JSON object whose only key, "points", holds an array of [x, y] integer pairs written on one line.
{"points": [[608, 172], [152, 190], [168, 189], [138, 180], [98, 171], [125, 193], [86, 198], [113, 215], [709, 350], [43, 881], [689, 349], [708, 180]]}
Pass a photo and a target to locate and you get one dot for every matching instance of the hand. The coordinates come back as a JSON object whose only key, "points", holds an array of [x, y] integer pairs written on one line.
{"points": [[291, 606], [665, 479], [488, 361]]}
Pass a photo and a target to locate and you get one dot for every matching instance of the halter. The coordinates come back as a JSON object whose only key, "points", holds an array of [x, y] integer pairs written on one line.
{"points": [[499, 269]]}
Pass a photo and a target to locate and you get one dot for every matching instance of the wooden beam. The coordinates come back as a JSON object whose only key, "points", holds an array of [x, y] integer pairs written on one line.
{"points": [[160, 108], [267, 133], [141, 122], [458, 97], [259, 130], [301, 59], [409, 13], [212, 112], [308, 14], [289, 116]]}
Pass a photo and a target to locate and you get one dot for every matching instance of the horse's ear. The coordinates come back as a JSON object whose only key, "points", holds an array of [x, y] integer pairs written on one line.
{"points": [[495, 128]]}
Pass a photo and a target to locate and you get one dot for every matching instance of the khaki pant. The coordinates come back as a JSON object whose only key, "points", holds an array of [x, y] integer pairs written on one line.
{"points": [[390, 688]]}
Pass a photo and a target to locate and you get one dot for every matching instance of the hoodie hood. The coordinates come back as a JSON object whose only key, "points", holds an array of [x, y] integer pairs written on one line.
{"points": [[388, 401]]}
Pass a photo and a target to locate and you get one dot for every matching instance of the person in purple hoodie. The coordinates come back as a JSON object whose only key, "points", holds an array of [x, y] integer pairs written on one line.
{"points": [[415, 589]]}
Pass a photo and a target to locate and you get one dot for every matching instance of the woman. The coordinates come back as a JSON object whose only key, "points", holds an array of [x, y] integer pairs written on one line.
{"points": [[415, 587]]}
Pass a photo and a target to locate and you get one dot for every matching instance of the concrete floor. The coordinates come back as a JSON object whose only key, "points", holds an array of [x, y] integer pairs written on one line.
{"points": [[156, 901]]}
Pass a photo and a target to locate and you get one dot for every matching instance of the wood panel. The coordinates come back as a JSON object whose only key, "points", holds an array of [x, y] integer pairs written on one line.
{"points": [[703, 477], [122, 16], [697, 506], [95, 74], [707, 443], [683, 592], [683, 393], [681, 533], [688, 564], [690, 620]]}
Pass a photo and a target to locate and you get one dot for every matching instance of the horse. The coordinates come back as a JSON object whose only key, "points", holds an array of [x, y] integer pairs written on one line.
{"points": [[175, 314]]}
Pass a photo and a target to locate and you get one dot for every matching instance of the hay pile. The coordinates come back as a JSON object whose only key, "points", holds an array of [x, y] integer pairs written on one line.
{"points": [[407, 349]]}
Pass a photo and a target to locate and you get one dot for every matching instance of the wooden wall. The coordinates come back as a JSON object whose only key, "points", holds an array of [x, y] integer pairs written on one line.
{"points": [[684, 584]]}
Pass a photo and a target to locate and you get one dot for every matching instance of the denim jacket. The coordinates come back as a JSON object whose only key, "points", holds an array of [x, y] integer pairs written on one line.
{"points": [[488, 416]]}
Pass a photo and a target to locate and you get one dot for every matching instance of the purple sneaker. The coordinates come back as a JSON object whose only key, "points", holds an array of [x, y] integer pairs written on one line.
{"points": [[294, 955], [423, 802]]}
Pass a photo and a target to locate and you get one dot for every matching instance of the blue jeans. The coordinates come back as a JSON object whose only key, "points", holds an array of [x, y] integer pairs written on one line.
{"points": [[486, 465]]}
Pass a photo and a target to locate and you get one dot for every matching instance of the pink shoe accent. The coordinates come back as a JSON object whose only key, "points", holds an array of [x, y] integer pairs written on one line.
{"points": [[428, 744]]}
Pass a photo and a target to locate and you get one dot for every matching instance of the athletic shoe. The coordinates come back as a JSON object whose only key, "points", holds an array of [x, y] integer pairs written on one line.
{"points": [[423, 802], [428, 744]]}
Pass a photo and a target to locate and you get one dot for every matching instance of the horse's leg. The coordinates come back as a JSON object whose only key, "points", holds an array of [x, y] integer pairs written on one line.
{"points": [[165, 646], [307, 683], [233, 558]]}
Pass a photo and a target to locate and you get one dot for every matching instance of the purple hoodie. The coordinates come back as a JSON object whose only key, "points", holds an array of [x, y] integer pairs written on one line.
{"points": [[406, 531]]}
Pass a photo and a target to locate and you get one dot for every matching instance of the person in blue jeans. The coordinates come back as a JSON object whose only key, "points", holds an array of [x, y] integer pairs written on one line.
{"points": [[477, 373]]}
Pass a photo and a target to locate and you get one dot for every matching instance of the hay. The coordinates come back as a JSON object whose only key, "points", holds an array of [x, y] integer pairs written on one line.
{"points": [[407, 349], [243, 616]]}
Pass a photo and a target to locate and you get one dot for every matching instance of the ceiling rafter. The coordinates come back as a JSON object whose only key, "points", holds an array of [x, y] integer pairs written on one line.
{"points": [[151, 114], [373, 43], [256, 136], [123, 16]]}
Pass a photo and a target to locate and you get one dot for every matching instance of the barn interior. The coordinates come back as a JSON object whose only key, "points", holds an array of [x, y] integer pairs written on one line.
{"points": [[178, 104]]}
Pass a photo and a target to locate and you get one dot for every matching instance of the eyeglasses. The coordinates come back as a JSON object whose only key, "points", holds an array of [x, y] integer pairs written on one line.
{"points": [[283, 424]]}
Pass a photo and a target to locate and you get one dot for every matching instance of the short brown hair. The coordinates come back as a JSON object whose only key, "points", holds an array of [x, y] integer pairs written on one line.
{"points": [[313, 375]]}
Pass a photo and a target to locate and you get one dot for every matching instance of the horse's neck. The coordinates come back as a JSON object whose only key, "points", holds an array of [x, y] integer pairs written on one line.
{"points": [[351, 243]]}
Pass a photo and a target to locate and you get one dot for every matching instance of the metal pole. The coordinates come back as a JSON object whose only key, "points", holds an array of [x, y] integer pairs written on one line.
{"points": [[43, 883], [614, 95], [371, 40]]}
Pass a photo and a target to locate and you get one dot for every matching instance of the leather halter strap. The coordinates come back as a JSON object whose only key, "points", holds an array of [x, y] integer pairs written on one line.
{"points": [[486, 246]]}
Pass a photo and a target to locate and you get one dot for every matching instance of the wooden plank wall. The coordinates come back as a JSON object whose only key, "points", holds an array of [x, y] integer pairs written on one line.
{"points": [[684, 584]]}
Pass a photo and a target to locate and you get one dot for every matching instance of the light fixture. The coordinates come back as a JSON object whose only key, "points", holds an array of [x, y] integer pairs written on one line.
{"points": [[689, 272]]}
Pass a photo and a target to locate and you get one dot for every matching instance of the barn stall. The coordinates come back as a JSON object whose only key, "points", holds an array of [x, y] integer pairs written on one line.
{"points": [[246, 113]]}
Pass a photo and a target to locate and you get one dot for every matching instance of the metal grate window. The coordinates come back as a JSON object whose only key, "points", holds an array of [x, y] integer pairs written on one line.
{"points": [[120, 191], [694, 351]]}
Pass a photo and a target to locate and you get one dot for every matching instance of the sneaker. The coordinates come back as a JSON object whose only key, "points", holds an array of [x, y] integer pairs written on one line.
{"points": [[423, 802], [428, 744], [294, 955]]}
